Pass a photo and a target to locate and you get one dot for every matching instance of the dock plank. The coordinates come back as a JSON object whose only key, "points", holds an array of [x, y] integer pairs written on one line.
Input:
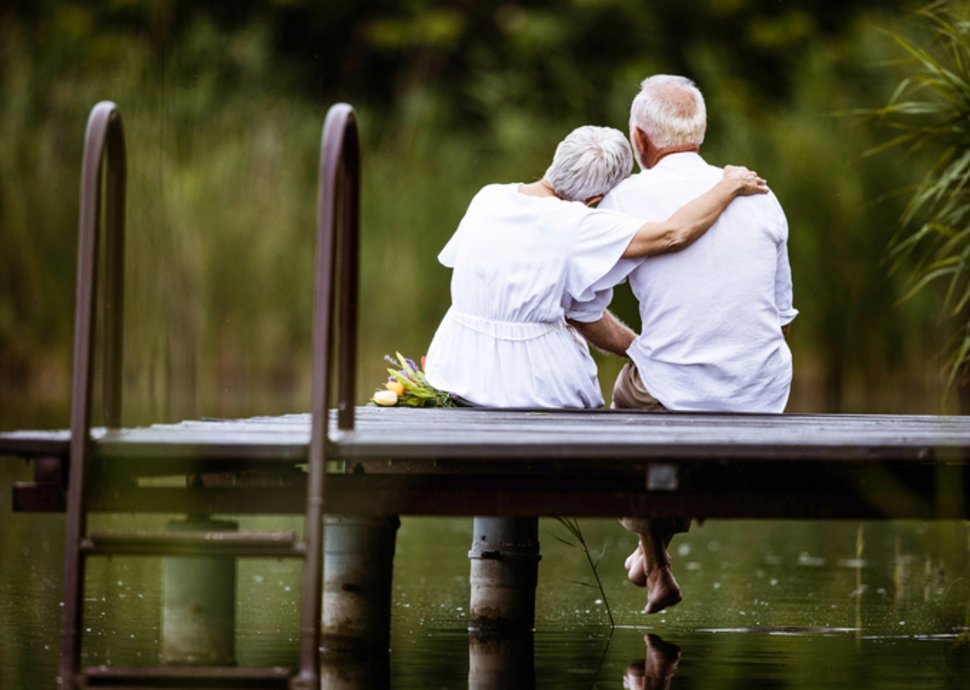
{"points": [[468, 434]]}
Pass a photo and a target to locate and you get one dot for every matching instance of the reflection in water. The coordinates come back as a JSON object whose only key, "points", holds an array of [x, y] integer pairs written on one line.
{"points": [[370, 671], [756, 615], [501, 662], [657, 668]]}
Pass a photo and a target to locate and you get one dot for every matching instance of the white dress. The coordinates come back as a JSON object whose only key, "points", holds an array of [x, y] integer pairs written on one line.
{"points": [[522, 264]]}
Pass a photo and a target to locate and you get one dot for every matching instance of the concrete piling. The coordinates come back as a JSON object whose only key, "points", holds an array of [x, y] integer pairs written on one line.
{"points": [[357, 571], [199, 603], [504, 570]]}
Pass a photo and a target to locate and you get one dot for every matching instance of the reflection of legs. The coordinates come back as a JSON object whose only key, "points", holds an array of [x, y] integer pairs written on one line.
{"points": [[649, 565], [656, 669]]}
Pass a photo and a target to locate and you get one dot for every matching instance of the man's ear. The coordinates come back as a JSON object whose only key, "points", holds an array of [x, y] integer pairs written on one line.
{"points": [[641, 141], [593, 200]]}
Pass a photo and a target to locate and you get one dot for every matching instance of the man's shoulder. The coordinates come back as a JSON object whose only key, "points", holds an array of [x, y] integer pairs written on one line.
{"points": [[660, 176], [660, 186], [633, 187]]}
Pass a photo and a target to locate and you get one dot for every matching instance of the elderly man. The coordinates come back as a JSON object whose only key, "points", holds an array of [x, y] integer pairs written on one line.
{"points": [[713, 316]]}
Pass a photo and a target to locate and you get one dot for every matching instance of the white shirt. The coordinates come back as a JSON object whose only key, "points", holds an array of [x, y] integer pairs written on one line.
{"points": [[518, 262], [711, 314]]}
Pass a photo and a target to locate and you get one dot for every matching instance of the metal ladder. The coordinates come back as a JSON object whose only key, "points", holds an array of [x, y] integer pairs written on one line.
{"points": [[103, 175]]}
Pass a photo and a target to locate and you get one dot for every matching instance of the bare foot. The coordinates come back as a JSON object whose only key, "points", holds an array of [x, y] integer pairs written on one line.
{"points": [[635, 569], [662, 590]]}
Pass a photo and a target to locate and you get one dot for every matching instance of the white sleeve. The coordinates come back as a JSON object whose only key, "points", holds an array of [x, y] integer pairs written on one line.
{"points": [[783, 281], [448, 255], [590, 310], [783, 287], [600, 239]]}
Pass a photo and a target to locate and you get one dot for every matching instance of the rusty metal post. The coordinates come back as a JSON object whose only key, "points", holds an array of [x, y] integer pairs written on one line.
{"points": [[358, 568], [337, 218], [199, 602], [103, 139], [504, 571], [349, 281]]}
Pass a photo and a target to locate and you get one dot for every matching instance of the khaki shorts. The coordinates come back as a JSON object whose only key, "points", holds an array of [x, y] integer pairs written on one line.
{"points": [[629, 393]]}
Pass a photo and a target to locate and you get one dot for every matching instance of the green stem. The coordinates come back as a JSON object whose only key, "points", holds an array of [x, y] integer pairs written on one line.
{"points": [[572, 524], [599, 583]]}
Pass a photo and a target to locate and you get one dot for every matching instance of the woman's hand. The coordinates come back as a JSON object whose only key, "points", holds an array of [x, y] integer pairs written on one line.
{"points": [[744, 181]]}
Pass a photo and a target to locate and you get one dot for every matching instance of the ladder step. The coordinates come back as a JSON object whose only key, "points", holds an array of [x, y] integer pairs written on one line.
{"points": [[185, 677], [226, 543]]}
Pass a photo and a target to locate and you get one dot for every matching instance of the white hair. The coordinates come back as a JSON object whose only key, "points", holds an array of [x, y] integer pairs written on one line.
{"points": [[590, 161], [670, 110]]}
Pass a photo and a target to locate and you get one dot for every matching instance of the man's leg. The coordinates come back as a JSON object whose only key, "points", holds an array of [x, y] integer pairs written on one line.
{"points": [[629, 393], [649, 565]]}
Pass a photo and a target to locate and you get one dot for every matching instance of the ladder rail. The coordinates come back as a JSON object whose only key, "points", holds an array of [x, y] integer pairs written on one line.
{"points": [[104, 143], [337, 277], [338, 219]]}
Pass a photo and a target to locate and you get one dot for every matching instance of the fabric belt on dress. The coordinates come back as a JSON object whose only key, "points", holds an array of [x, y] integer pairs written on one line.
{"points": [[505, 330]]}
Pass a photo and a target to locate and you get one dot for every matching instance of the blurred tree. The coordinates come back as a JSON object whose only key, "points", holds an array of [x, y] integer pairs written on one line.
{"points": [[223, 102]]}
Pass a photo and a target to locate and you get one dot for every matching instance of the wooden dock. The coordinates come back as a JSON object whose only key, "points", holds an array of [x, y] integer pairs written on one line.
{"points": [[398, 461]]}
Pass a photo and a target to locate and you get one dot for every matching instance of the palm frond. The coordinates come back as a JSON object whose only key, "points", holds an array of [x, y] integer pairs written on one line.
{"points": [[929, 111]]}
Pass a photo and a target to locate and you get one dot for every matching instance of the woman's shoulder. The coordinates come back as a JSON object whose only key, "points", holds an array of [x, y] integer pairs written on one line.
{"points": [[497, 190]]}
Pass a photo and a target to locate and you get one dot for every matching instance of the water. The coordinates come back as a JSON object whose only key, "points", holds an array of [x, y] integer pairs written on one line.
{"points": [[767, 605]]}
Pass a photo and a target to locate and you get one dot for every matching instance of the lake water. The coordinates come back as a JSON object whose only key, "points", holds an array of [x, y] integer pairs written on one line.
{"points": [[794, 605]]}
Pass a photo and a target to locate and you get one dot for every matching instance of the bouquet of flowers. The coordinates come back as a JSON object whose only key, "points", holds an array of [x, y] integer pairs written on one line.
{"points": [[408, 386]]}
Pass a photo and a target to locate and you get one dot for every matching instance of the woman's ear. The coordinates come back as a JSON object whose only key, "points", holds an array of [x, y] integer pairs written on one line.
{"points": [[593, 200]]}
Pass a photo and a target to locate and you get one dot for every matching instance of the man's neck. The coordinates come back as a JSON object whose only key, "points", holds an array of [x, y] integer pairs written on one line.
{"points": [[663, 153]]}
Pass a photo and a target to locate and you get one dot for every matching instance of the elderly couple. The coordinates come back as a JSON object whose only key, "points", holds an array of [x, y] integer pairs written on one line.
{"points": [[704, 249]]}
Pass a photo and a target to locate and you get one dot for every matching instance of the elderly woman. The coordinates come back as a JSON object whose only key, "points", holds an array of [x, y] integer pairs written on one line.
{"points": [[528, 257]]}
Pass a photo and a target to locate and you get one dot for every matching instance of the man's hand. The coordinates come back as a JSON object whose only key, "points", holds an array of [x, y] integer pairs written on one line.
{"points": [[609, 334]]}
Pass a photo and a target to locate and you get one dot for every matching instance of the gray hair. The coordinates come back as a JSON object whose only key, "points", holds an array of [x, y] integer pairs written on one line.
{"points": [[590, 161], [670, 110]]}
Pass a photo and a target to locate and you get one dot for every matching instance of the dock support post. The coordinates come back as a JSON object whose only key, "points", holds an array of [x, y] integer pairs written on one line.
{"points": [[199, 603], [358, 565], [504, 571]]}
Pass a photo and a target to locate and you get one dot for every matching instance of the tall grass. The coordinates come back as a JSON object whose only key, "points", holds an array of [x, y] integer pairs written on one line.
{"points": [[929, 112]]}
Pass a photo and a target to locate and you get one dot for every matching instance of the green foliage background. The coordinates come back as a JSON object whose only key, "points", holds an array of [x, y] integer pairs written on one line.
{"points": [[223, 105]]}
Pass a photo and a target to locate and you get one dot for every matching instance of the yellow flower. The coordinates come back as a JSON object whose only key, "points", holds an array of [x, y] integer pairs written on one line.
{"points": [[395, 386], [386, 398]]}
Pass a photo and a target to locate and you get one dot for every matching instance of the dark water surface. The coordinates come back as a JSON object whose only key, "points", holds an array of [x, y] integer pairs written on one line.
{"points": [[767, 605]]}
